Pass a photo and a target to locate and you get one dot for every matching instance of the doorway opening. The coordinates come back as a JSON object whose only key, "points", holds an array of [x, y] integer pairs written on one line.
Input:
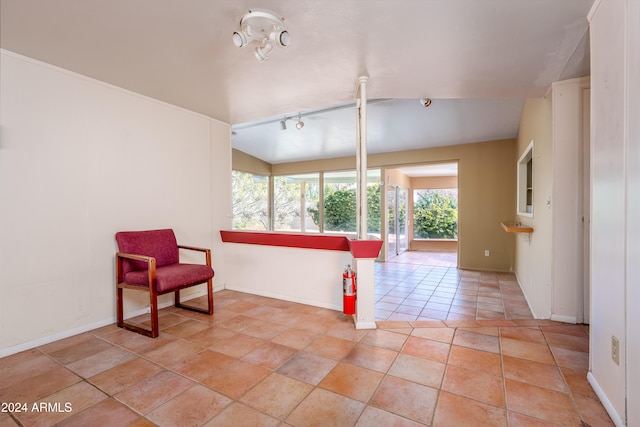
{"points": [[421, 206]]}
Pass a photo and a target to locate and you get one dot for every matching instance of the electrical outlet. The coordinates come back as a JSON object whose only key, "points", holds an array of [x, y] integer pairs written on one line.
{"points": [[486, 252], [615, 349]]}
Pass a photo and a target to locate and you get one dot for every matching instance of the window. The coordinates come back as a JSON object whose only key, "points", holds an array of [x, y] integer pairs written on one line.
{"points": [[340, 202], [294, 197], [250, 201], [435, 214], [296, 202], [525, 182]]}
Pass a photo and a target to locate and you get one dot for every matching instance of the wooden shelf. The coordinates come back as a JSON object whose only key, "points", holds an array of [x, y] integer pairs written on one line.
{"points": [[516, 227]]}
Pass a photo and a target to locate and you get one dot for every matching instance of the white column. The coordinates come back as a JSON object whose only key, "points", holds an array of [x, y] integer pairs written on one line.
{"points": [[364, 267], [361, 157], [365, 300]]}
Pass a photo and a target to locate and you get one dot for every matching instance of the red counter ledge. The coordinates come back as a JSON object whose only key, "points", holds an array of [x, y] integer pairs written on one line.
{"points": [[365, 248], [358, 248]]}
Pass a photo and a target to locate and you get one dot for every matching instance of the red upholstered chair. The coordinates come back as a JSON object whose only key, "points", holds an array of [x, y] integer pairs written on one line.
{"points": [[149, 261]]}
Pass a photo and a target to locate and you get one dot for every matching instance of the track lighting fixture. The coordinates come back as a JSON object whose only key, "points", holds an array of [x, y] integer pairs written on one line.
{"points": [[265, 28], [425, 102], [299, 123]]}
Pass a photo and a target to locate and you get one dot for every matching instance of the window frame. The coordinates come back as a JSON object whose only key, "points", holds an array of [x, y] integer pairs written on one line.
{"points": [[525, 182]]}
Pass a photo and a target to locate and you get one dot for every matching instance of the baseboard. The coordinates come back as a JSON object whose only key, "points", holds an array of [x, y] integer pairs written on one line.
{"points": [[615, 417], [8, 351], [564, 319], [284, 297], [366, 325], [533, 313], [483, 270]]}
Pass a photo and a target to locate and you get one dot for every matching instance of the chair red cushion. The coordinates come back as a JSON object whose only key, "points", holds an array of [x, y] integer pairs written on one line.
{"points": [[160, 244], [171, 276]]}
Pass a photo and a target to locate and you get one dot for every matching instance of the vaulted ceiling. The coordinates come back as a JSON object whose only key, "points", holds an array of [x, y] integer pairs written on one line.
{"points": [[477, 59]]}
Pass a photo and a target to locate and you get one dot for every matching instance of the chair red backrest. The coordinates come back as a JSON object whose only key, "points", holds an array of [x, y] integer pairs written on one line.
{"points": [[160, 244]]}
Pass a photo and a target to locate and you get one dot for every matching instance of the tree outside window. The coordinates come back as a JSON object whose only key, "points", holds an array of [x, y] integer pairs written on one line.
{"points": [[340, 202], [250, 201], [340, 210], [293, 196], [435, 214]]}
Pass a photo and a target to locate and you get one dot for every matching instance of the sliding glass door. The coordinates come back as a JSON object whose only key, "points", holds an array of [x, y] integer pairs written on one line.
{"points": [[402, 202], [392, 249], [397, 202]]}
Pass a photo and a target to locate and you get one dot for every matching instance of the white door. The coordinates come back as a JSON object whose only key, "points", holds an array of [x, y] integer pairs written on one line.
{"points": [[586, 205]]}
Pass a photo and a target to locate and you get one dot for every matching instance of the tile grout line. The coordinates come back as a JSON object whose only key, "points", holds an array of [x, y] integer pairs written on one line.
{"points": [[358, 341]]}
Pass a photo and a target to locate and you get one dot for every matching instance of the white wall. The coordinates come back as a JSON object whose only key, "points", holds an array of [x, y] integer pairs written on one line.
{"points": [[633, 213], [307, 276], [567, 200], [549, 260], [615, 149], [79, 161], [533, 251]]}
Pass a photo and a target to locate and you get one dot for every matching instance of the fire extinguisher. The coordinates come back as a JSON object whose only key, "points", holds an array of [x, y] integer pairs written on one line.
{"points": [[349, 291]]}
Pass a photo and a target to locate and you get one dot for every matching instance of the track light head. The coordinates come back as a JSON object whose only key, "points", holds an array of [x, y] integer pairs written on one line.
{"points": [[300, 124], [262, 52], [425, 102], [283, 124], [242, 38], [281, 38]]}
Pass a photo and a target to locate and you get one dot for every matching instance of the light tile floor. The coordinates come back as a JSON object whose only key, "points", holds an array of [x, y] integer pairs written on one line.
{"points": [[264, 362], [428, 286]]}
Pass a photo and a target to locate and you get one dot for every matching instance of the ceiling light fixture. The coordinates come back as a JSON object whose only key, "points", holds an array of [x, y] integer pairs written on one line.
{"points": [[283, 124], [425, 102], [265, 28], [300, 124]]}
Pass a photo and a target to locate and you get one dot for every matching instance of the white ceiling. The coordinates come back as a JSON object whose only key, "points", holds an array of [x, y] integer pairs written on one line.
{"points": [[477, 59], [392, 125]]}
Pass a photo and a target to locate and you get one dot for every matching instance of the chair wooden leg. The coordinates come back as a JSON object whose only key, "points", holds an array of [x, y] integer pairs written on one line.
{"points": [[176, 299], [153, 303], [119, 308], [208, 310], [210, 295], [120, 316]]}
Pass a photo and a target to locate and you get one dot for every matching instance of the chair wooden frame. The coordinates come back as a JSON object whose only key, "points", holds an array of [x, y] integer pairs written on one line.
{"points": [[153, 293]]}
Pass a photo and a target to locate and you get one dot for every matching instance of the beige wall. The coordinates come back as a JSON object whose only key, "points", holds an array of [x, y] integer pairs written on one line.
{"points": [[338, 164], [486, 196], [244, 162], [394, 176], [431, 182], [486, 193], [433, 245], [533, 260]]}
